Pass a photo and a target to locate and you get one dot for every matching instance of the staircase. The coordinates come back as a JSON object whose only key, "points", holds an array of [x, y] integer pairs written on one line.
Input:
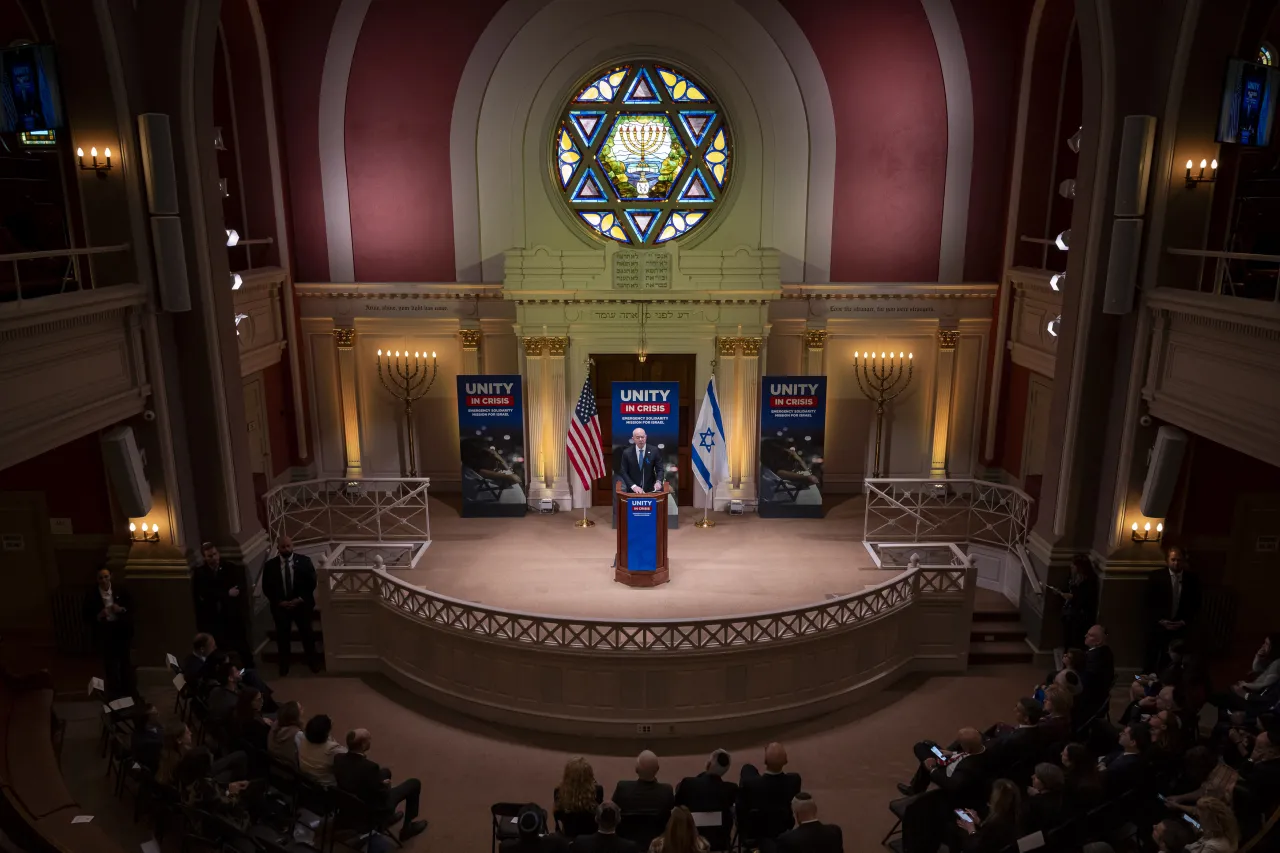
{"points": [[996, 636], [269, 654]]}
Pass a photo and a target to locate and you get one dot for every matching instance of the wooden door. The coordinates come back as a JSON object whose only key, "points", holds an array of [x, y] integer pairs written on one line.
{"points": [[658, 367]]}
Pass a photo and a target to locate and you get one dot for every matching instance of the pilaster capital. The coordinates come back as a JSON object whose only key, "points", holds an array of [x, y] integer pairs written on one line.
{"points": [[557, 345], [947, 339], [534, 346], [751, 346], [727, 346], [470, 339], [344, 336], [815, 338]]}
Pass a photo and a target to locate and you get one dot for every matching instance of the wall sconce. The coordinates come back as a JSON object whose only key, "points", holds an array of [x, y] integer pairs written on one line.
{"points": [[1199, 178], [144, 535], [93, 165], [1145, 534]]}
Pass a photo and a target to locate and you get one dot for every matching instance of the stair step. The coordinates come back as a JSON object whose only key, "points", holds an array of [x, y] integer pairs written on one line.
{"points": [[1000, 652], [996, 616], [998, 632], [296, 646]]}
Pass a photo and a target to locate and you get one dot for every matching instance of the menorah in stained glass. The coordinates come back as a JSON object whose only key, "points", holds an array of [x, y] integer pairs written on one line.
{"points": [[642, 141], [880, 380], [408, 380]]}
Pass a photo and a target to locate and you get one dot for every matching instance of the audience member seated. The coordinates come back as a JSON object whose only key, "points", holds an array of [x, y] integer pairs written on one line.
{"points": [[286, 734], [1070, 675], [1056, 721], [230, 801], [1099, 668], [645, 795], [1013, 744], [961, 774], [1258, 789], [1082, 781], [1126, 768], [200, 669], [530, 822], [768, 796], [317, 749], [1171, 836], [148, 738], [1046, 800], [1219, 832], [360, 776], [605, 839], [810, 835], [576, 798], [999, 828], [1248, 694], [681, 834], [248, 727], [177, 743], [708, 793], [1201, 772]]}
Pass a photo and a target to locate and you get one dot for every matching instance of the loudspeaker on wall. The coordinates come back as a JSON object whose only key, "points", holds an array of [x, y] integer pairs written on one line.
{"points": [[157, 164], [1134, 170], [171, 263], [124, 467], [1162, 472], [1122, 266]]}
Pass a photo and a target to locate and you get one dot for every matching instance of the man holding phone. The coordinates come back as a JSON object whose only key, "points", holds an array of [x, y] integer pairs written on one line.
{"points": [[960, 773]]}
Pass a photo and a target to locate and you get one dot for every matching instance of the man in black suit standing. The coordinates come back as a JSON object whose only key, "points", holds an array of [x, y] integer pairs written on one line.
{"points": [[605, 839], [356, 774], [708, 792], [1173, 601], [221, 597], [645, 794], [289, 584], [765, 799], [810, 835], [108, 609], [641, 465], [1099, 668]]}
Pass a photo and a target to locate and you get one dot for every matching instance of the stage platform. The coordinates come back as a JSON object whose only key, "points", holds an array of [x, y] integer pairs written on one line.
{"points": [[745, 564]]}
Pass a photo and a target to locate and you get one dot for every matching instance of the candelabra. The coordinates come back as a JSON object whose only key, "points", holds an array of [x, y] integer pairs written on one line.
{"points": [[642, 140], [1145, 534], [880, 381], [407, 382]]}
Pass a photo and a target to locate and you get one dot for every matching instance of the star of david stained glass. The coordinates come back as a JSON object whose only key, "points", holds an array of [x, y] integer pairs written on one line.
{"points": [[642, 153]]}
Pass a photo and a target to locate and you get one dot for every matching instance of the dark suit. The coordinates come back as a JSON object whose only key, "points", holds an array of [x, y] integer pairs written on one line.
{"points": [[114, 639], [599, 842], [1044, 812], [1160, 606], [362, 778], [542, 844], [1124, 772], [638, 797], [967, 781], [278, 586], [1018, 748], [765, 802], [1099, 674], [646, 473], [811, 837], [218, 612], [707, 792]]}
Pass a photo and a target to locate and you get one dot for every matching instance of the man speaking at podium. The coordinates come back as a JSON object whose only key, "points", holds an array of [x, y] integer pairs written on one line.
{"points": [[641, 467]]}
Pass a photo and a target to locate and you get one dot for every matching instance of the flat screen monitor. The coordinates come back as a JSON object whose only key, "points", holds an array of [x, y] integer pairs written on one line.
{"points": [[29, 96], [1248, 103]]}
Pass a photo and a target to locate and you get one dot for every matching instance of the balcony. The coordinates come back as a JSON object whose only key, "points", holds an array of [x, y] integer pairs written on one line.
{"points": [[1035, 304], [259, 324]]}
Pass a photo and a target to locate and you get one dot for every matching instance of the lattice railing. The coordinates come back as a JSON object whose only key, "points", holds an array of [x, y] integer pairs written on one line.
{"points": [[646, 634], [959, 511], [389, 511]]}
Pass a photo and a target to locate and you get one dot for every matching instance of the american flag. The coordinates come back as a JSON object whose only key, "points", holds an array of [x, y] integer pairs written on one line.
{"points": [[584, 443]]}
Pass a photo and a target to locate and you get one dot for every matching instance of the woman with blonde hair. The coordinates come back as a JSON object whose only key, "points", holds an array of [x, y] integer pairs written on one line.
{"points": [[1219, 832], [576, 798], [681, 835]]}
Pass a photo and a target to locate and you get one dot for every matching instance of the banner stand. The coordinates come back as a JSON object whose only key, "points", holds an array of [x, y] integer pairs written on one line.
{"points": [[491, 443], [793, 426]]}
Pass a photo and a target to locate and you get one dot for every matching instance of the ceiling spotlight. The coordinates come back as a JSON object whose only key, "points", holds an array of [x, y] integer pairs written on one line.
{"points": [[1054, 325], [1063, 240], [1074, 142], [218, 143], [1067, 189], [236, 281], [233, 237], [1057, 280]]}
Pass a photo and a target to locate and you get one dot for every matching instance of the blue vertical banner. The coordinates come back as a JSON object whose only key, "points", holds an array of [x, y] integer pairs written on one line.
{"points": [[793, 428], [655, 408], [643, 517], [491, 439]]}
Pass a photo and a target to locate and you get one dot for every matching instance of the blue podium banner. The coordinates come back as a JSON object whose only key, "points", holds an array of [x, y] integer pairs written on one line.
{"points": [[655, 408], [793, 427], [491, 439], [643, 516]]}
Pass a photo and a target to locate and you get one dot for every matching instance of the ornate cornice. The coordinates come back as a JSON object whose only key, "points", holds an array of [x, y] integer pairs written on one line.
{"points": [[751, 346], [815, 338], [470, 339], [948, 338], [556, 346], [533, 346], [344, 336]]}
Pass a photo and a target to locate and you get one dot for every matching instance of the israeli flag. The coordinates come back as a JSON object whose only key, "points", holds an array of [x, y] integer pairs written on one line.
{"points": [[710, 450]]}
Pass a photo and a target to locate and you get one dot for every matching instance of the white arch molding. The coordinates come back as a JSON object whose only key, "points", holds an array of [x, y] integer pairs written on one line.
{"points": [[753, 38]]}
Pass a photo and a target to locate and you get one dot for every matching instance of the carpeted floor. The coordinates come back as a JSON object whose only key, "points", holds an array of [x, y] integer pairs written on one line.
{"points": [[745, 564], [849, 761]]}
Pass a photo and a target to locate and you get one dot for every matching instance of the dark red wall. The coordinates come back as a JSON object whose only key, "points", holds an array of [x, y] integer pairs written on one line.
{"points": [[1011, 426], [1213, 478], [73, 480]]}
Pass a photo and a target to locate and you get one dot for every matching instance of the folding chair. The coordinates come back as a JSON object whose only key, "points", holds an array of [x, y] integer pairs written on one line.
{"points": [[642, 827], [358, 820], [716, 828], [503, 816]]}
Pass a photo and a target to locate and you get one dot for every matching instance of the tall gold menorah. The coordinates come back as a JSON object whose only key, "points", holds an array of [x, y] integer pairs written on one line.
{"points": [[408, 381], [880, 380]]}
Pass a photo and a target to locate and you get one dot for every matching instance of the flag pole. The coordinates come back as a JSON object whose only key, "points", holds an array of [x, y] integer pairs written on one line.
{"points": [[584, 521], [706, 505]]}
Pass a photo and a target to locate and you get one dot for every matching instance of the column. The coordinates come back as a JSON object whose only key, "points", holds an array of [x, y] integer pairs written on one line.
{"points": [[727, 387], [470, 339], [748, 379], [535, 349], [344, 338], [557, 424], [947, 340], [815, 342]]}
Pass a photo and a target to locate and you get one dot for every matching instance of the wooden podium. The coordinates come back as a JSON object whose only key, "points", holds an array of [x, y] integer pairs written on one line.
{"points": [[642, 531]]}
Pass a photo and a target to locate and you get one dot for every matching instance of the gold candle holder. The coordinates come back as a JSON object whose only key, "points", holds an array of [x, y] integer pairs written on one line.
{"points": [[880, 380], [408, 379]]}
